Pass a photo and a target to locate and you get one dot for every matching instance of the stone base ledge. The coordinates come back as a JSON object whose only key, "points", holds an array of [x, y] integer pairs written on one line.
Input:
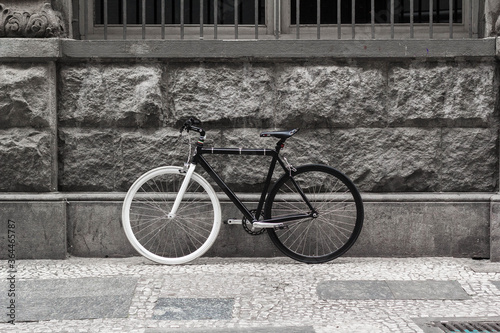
{"points": [[254, 197], [30, 49], [47, 49], [396, 225]]}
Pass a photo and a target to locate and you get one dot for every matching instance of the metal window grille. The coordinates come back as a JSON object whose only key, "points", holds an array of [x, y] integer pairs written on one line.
{"points": [[329, 19]]}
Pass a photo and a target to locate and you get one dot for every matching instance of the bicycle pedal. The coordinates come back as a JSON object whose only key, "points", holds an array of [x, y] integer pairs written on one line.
{"points": [[233, 221]]}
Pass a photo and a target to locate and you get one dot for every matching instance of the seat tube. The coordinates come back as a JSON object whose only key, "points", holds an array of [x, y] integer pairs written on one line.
{"points": [[182, 190]]}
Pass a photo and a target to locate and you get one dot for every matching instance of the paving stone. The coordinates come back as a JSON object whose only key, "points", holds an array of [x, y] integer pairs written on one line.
{"points": [[294, 329], [410, 290], [354, 290], [70, 299], [496, 284], [193, 308], [428, 290]]}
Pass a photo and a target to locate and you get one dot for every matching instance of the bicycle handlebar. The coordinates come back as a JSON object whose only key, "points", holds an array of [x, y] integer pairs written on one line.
{"points": [[189, 125]]}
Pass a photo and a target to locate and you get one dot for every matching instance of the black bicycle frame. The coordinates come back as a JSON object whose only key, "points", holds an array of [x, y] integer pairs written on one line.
{"points": [[199, 159]]}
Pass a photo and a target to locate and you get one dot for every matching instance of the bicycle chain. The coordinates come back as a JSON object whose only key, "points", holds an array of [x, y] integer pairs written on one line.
{"points": [[247, 226]]}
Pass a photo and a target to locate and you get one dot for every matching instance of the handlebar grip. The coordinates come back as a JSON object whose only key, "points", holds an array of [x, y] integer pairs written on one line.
{"points": [[189, 125]]}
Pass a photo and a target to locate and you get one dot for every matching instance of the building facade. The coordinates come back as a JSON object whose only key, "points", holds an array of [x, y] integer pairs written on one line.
{"points": [[401, 98]]}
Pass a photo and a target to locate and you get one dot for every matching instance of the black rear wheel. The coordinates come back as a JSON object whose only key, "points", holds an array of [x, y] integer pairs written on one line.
{"points": [[336, 205]]}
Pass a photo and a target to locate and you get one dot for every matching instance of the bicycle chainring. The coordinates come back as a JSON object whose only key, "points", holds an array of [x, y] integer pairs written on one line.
{"points": [[247, 225]]}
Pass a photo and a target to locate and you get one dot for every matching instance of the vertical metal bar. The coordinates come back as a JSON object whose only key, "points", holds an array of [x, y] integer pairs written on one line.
{"points": [[431, 18], [412, 12], [392, 19], [235, 19], [216, 10], [297, 17], [420, 11], [162, 19], [339, 19], [124, 19], [450, 17], [182, 19], [105, 19], [318, 19], [438, 16], [143, 19], [256, 18], [201, 19], [86, 19], [372, 11], [277, 19], [353, 19], [470, 18]]}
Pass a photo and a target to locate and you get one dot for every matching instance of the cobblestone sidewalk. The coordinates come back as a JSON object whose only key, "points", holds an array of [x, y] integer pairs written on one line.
{"points": [[246, 295]]}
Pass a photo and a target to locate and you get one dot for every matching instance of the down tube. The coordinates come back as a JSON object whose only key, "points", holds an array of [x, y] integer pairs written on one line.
{"points": [[230, 194]]}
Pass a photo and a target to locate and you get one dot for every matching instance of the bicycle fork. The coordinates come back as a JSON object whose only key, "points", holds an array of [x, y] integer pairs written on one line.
{"points": [[182, 190]]}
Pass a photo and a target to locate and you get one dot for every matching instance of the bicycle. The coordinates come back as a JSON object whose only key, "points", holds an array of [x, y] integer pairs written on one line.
{"points": [[172, 215]]}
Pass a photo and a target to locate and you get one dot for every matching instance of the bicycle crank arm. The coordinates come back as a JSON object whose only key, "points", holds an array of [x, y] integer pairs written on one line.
{"points": [[268, 225], [275, 221], [281, 222]]}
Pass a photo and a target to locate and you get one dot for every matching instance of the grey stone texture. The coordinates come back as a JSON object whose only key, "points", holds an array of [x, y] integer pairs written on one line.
{"points": [[495, 230], [193, 309], [27, 127], [389, 126], [72, 299], [397, 290], [425, 229], [404, 229], [39, 232]]}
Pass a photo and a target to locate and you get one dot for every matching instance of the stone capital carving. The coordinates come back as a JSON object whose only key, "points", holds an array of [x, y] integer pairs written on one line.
{"points": [[41, 23], [492, 15]]}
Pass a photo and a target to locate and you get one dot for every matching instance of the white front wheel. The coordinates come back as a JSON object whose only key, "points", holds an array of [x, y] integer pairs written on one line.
{"points": [[171, 239]]}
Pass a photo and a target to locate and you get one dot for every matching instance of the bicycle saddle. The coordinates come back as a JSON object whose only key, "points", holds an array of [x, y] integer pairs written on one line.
{"points": [[279, 134]]}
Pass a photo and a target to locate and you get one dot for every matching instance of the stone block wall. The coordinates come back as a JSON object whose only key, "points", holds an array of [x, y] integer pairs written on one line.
{"points": [[28, 120], [391, 126], [75, 135]]}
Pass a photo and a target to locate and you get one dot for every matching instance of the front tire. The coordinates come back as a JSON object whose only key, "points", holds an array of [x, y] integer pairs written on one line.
{"points": [[338, 205], [176, 240]]}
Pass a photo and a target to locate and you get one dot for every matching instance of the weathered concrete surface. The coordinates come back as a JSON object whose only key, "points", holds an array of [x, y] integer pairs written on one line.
{"points": [[40, 229], [391, 229], [94, 230], [425, 229], [495, 229]]}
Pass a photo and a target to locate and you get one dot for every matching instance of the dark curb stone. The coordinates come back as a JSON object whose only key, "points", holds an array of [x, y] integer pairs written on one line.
{"points": [[71, 299], [193, 309], [293, 329], [406, 290]]}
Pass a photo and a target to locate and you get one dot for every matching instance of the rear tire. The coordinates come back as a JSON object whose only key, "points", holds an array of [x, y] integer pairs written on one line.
{"points": [[338, 204]]}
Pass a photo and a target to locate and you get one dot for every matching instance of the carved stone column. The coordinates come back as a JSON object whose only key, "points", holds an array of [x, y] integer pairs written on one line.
{"points": [[31, 19], [492, 15]]}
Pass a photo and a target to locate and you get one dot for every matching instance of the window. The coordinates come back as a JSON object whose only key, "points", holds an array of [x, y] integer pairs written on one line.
{"points": [[328, 11], [269, 19], [172, 9]]}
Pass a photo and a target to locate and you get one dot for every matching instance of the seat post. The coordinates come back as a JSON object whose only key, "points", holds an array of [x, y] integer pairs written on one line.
{"points": [[280, 145]]}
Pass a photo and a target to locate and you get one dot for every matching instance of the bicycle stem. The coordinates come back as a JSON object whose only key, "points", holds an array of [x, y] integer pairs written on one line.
{"points": [[182, 191]]}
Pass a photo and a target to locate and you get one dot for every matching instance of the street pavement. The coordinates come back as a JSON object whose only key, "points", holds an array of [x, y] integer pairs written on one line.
{"points": [[243, 295]]}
